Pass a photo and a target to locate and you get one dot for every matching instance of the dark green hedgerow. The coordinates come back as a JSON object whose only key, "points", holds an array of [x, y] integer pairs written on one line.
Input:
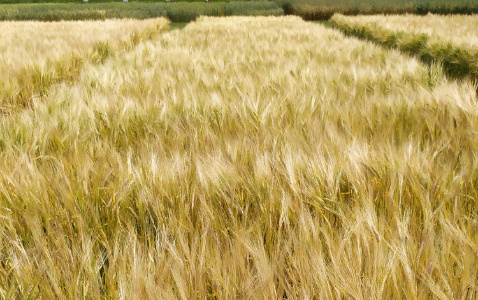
{"points": [[457, 62], [176, 12]]}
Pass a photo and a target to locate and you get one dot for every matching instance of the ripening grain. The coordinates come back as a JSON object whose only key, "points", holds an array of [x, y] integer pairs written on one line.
{"points": [[433, 43], [36, 54], [244, 158], [461, 31], [26, 43]]}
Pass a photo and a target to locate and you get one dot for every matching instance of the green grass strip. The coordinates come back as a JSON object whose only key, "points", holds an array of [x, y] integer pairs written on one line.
{"points": [[458, 63]]}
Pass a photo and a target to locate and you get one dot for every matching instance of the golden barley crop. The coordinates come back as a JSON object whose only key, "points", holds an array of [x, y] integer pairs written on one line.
{"points": [[460, 30], [244, 158], [449, 41], [33, 55]]}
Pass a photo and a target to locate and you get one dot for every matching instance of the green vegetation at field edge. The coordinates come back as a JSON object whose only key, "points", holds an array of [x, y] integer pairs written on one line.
{"points": [[307, 9], [325, 23], [97, 1], [175, 12], [324, 9], [177, 25], [117, 1]]}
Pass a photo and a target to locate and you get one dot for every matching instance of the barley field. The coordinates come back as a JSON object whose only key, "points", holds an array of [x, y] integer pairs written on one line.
{"points": [[248, 158], [449, 41], [460, 30], [34, 55]]}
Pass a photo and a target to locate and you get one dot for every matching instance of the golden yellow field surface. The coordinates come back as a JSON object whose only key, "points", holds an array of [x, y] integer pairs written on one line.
{"points": [[460, 30], [244, 158], [33, 55]]}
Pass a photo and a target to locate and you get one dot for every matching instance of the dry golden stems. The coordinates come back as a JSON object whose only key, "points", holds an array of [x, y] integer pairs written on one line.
{"points": [[461, 31], [244, 158]]}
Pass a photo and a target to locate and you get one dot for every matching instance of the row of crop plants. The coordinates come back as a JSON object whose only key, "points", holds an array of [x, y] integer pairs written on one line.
{"points": [[48, 53], [448, 40]]}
